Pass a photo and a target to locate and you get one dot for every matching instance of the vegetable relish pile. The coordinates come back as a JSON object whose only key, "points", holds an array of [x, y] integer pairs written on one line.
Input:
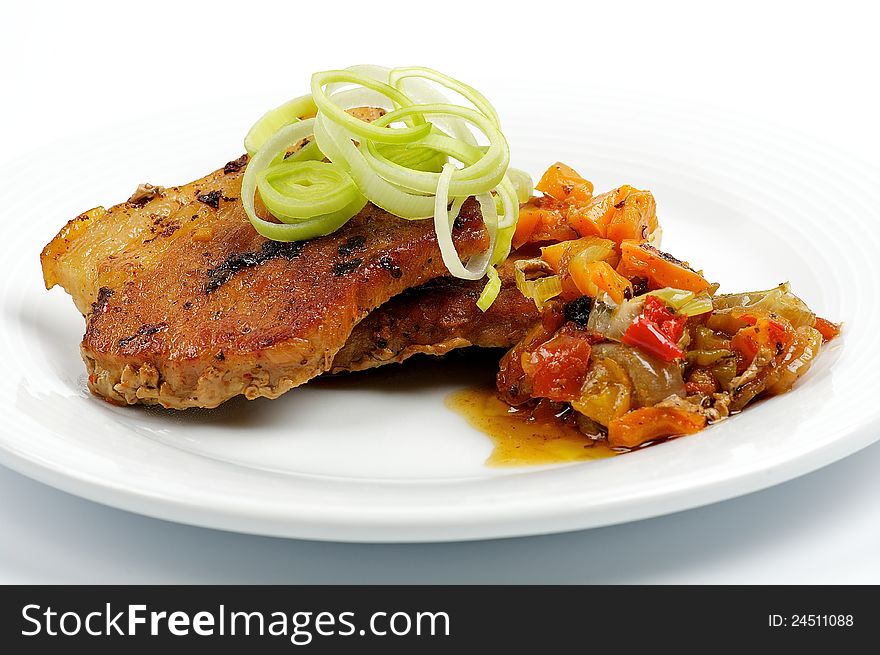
{"points": [[634, 345]]}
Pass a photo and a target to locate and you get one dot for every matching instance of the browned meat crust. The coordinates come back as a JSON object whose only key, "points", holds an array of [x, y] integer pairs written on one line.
{"points": [[187, 306], [435, 318]]}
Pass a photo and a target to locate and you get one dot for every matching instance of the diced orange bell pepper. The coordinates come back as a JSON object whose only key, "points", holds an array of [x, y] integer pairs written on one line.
{"points": [[601, 209], [540, 220], [578, 217], [592, 277], [529, 217], [546, 219], [661, 270], [626, 213], [560, 256], [634, 216], [554, 253], [826, 328], [568, 209], [563, 183], [581, 276], [649, 423], [762, 332]]}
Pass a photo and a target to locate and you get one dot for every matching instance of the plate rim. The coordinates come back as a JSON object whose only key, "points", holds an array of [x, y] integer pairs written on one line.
{"points": [[357, 530]]}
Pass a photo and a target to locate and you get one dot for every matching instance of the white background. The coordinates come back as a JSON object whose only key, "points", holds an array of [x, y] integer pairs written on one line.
{"points": [[73, 68]]}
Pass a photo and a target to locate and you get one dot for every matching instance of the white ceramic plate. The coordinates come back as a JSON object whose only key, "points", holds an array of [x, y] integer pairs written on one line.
{"points": [[380, 458]]}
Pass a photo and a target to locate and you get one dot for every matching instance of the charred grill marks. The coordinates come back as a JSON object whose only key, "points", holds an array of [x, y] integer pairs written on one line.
{"points": [[387, 262], [212, 198], [100, 304], [235, 165], [351, 244], [143, 331], [169, 230], [220, 275], [345, 268]]}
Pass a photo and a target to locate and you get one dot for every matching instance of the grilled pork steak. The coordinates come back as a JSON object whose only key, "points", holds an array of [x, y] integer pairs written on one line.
{"points": [[187, 306], [436, 318]]}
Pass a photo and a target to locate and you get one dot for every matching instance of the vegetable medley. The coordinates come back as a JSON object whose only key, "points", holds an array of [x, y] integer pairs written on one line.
{"points": [[635, 345]]}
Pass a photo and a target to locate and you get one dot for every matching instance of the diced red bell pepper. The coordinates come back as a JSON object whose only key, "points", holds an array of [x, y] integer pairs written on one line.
{"points": [[701, 381], [559, 366], [656, 310], [674, 328], [647, 336], [669, 323]]}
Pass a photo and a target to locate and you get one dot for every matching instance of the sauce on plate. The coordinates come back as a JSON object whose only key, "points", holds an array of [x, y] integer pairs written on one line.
{"points": [[521, 439]]}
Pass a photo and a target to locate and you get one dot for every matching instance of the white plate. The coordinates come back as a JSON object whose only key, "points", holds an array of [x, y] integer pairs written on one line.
{"points": [[380, 458]]}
